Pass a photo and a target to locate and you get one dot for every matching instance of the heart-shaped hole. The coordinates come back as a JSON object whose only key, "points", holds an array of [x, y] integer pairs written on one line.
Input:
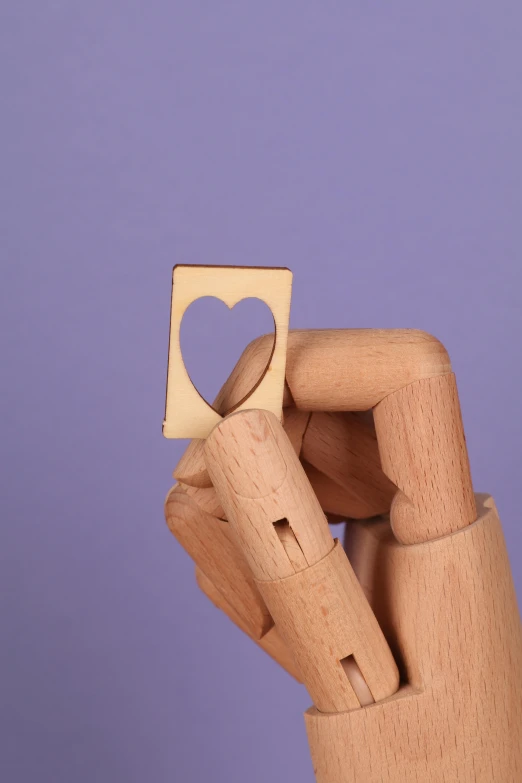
{"points": [[213, 337]]}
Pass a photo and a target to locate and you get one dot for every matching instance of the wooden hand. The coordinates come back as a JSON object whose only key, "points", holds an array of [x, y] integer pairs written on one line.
{"points": [[438, 585]]}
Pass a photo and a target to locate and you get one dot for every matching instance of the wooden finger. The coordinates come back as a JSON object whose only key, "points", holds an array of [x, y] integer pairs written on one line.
{"points": [[323, 615], [270, 642], [336, 500], [206, 499], [295, 423], [262, 486], [304, 576], [191, 469], [423, 451], [344, 447], [211, 544], [347, 369], [354, 369]]}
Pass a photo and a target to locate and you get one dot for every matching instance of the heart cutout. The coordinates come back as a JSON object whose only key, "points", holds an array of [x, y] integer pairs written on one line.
{"points": [[213, 337]]}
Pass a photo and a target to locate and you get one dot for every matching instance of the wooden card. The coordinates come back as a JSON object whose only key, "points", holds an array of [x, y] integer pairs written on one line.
{"points": [[187, 414]]}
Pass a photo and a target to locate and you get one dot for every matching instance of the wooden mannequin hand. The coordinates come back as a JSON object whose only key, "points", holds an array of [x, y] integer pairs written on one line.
{"points": [[439, 586], [334, 379], [340, 456]]}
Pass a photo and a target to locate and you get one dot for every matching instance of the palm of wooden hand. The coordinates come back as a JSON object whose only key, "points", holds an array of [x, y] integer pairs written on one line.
{"points": [[250, 507]]}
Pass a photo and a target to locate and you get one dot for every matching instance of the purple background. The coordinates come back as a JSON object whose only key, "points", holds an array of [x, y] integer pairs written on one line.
{"points": [[374, 149]]}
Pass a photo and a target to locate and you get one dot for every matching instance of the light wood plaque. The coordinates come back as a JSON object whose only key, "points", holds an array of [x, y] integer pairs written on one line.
{"points": [[187, 413]]}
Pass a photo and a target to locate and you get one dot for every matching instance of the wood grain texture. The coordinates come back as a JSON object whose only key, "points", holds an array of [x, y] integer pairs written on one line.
{"points": [[334, 499], [245, 374], [423, 451], [270, 642], [191, 469], [354, 369], [344, 447], [323, 616], [295, 424], [259, 481], [206, 498], [316, 602], [449, 610], [187, 414], [211, 544], [327, 370], [340, 369]]}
